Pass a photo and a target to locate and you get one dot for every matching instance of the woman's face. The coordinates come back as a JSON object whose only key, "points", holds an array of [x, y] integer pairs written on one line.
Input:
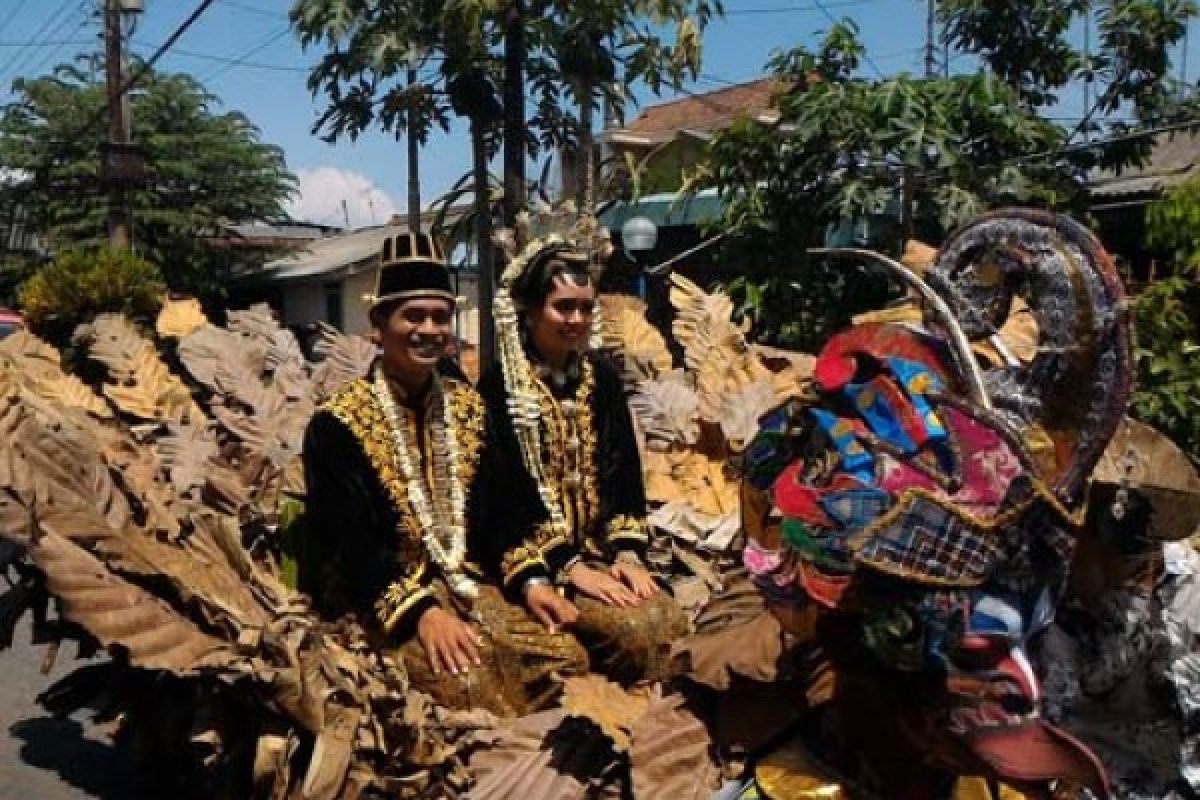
{"points": [[563, 324]]}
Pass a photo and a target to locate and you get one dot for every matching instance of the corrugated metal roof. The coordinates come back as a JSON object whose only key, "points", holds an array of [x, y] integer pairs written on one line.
{"points": [[332, 256], [1176, 157]]}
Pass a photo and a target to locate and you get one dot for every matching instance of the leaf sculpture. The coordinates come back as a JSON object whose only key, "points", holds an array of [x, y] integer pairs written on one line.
{"points": [[666, 411], [139, 382], [179, 317], [741, 409], [609, 707], [221, 361], [38, 367], [344, 358], [640, 347], [671, 755], [187, 454], [119, 613], [520, 761]]}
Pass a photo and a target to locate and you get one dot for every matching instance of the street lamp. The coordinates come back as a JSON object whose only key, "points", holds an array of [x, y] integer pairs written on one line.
{"points": [[639, 235]]}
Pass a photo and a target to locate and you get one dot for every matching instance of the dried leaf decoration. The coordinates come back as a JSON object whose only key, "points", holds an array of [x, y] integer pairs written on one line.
{"points": [[345, 357], [612, 709], [140, 383], [640, 347], [666, 410], [179, 317], [671, 756], [38, 367], [533, 757], [118, 613]]}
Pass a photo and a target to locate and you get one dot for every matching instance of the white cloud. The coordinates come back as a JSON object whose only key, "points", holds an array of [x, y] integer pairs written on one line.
{"points": [[323, 189]]}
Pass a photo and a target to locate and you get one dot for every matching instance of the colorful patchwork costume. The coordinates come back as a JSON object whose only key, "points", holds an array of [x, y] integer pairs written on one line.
{"points": [[923, 512]]}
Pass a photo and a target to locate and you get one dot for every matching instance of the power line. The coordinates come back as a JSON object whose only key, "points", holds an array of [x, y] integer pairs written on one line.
{"points": [[232, 60], [792, 9], [129, 83], [249, 9], [83, 21], [19, 56], [866, 56], [11, 17], [240, 60]]}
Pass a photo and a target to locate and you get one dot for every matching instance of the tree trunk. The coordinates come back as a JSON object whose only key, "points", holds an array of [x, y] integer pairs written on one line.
{"points": [[414, 157], [586, 180], [514, 111], [483, 245]]}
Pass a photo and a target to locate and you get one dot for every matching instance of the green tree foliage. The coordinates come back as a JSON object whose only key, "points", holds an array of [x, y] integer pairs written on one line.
{"points": [[570, 48], [1167, 316], [80, 283], [1026, 45], [205, 170], [850, 148]]}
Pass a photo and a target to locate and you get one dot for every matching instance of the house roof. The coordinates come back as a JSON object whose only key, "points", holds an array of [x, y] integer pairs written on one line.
{"points": [[340, 255], [333, 256], [1174, 159], [700, 113]]}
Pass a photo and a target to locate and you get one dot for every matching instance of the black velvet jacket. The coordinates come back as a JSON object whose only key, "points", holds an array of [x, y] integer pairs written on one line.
{"points": [[365, 551], [598, 483]]}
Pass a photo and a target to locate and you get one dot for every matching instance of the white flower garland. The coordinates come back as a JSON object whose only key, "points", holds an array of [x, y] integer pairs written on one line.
{"points": [[449, 550]]}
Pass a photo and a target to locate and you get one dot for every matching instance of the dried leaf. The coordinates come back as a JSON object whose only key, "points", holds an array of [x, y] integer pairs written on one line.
{"points": [[139, 383], [671, 757], [520, 762], [639, 347], [345, 358], [612, 709], [178, 318], [666, 411], [118, 613], [751, 650]]}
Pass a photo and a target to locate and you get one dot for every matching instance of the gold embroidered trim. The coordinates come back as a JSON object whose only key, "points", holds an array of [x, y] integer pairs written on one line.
{"points": [[531, 552], [355, 406], [626, 526], [580, 504]]}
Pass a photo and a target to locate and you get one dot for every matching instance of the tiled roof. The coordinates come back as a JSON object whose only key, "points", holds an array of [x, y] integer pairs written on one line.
{"points": [[702, 112]]}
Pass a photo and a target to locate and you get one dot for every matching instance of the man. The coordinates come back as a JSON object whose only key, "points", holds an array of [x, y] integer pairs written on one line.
{"points": [[390, 462]]}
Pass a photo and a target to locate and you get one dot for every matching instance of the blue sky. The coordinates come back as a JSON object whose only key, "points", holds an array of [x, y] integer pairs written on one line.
{"points": [[266, 80]]}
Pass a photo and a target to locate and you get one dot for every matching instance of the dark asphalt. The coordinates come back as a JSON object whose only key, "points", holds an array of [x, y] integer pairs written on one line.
{"points": [[42, 758]]}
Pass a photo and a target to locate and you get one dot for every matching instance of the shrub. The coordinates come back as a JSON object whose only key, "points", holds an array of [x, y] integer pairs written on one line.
{"points": [[79, 284]]}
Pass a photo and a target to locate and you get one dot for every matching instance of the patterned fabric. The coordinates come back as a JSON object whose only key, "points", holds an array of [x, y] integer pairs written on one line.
{"points": [[931, 544], [523, 664], [631, 644]]}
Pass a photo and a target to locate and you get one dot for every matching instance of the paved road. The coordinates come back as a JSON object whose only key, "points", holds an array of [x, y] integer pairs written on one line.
{"points": [[42, 758]]}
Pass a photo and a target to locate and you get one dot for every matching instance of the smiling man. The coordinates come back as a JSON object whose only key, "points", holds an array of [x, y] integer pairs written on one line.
{"points": [[390, 464]]}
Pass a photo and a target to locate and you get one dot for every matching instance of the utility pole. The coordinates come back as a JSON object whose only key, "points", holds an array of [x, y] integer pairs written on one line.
{"points": [[118, 214], [414, 155], [930, 56]]}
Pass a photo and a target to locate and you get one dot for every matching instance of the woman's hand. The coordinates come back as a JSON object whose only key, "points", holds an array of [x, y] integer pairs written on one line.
{"points": [[449, 642], [636, 577], [602, 587], [549, 607]]}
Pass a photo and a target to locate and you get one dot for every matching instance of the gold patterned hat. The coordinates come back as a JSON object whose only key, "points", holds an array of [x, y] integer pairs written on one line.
{"points": [[410, 265]]}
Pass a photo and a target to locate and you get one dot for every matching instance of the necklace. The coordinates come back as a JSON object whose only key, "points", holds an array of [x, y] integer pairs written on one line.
{"points": [[442, 523]]}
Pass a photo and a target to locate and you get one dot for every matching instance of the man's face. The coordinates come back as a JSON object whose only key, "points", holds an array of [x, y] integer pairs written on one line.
{"points": [[415, 335]]}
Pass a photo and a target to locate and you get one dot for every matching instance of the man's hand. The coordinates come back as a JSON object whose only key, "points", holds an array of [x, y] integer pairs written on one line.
{"points": [[636, 577], [549, 607], [449, 643], [602, 587]]}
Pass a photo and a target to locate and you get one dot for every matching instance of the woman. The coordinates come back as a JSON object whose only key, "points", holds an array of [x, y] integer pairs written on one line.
{"points": [[561, 520]]}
